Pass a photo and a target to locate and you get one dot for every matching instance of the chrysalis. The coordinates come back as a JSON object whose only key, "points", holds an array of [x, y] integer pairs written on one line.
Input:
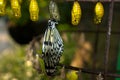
{"points": [[15, 5], [34, 10], [72, 75], [76, 13], [99, 12], [52, 48], [54, 12], [2, 7]]}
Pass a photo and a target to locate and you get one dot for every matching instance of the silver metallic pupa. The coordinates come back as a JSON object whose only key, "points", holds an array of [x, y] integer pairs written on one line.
{"points": [[53, 9]]}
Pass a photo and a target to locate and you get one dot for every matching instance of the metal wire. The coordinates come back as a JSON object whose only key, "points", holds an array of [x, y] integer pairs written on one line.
{"points": [[107, 50]]}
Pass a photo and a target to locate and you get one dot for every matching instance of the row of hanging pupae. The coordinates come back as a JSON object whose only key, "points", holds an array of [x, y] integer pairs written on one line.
{"points": [[16, 8], [76, 11]]}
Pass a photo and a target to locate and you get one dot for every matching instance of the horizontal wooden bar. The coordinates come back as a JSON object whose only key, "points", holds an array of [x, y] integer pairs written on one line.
{"points": [[89, 71], [95, 0], [92, 31]]}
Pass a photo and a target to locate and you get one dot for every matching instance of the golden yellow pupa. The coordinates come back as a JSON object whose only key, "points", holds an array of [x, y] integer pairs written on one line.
{"points": [[53, 9], [16, 8], [34, 10], [76, 13], [99, 12], [2, 7]]}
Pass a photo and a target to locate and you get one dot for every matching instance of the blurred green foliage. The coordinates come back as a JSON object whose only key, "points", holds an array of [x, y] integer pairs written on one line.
{"points": [[14, 66]]}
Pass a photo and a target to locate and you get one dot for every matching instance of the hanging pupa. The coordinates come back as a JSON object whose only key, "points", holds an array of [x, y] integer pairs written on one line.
{"points": [[34, 10], [52, 48], [16, 8], [54, 12], [99, 12], [76, 13], [2, 7]]}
